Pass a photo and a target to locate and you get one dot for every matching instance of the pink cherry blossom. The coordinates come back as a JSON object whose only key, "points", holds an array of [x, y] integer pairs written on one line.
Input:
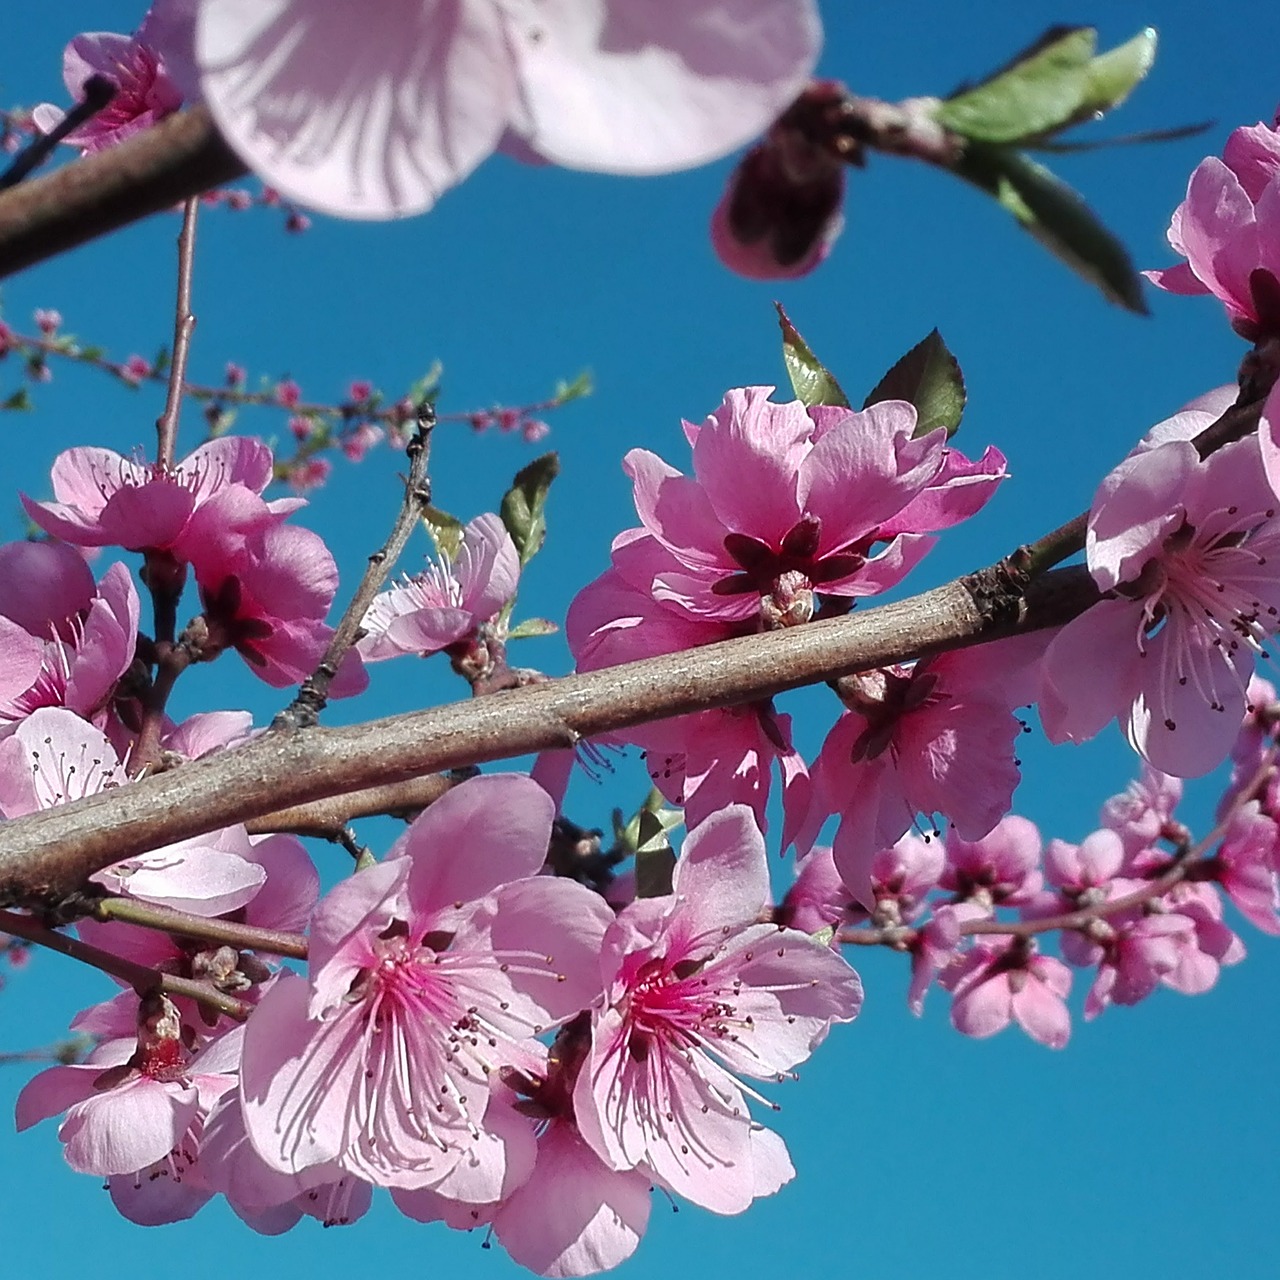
{"points": [[450, 600], [701, 761], [132, 1107], [1143, 814], [54, 757], [818, 900], [105, 499], [1228, 230], [787, 501], [994, 985], [698, 996], [589, 84], [780, 213], [574, 1215], [1002, 868], [936, 738], [145, 92], [86, 633], [421, 969], [1246, 866], [266, 589], [1187, 551]]}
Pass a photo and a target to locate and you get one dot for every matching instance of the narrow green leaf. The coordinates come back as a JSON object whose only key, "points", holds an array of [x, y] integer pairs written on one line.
{"points": [[531, 628], [161, 363], [929, 377], [524, 505], [1058, 217], [1174, 134], [427, 387], [1038, 91], [812, 382], [20, 401], [445, 531], [582, 385]]}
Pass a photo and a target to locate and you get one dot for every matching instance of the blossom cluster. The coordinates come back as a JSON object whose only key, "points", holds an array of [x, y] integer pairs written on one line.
{"points": [[497, 1043]]}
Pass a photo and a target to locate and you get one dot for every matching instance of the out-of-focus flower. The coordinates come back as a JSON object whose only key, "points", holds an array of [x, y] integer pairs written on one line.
{"points": [[432, 88], [780, 214]]}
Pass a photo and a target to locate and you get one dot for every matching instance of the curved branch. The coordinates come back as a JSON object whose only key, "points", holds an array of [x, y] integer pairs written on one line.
{"points": [[47, 855]]}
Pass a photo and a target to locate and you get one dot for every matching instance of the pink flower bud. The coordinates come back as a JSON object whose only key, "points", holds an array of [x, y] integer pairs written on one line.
{"points": [[780, 213]]}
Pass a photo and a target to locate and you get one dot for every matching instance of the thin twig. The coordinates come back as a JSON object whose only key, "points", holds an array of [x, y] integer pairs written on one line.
{"points": [[306, 707], [183, 324], [139, 977], [327, 819], [244, 937], [98, 92]]}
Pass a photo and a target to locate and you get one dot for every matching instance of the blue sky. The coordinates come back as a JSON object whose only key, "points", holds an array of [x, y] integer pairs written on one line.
{"points": [[1150, 1141]]}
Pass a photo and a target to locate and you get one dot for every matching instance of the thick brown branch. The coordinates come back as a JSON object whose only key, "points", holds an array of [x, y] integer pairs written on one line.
{"points": [[47, 855], [154, 170]]}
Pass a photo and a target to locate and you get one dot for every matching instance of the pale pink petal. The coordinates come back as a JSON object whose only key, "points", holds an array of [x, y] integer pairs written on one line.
{"points": [[624, 88], [127, 1128], [574, 1216], [1081, 694], [358, 115], [722, 875], [503, 821]]}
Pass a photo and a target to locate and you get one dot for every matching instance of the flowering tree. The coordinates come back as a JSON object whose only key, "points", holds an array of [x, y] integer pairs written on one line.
{"points": [[510, 1021]]}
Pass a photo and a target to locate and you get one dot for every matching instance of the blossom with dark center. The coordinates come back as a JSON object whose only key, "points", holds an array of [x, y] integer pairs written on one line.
{"points": [[788, 503], [935, 738], [1187, 551]]}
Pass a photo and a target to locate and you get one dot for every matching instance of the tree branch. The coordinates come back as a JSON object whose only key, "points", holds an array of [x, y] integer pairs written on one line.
{"points": [[139, 977], [327, 819], [183, 323], [244, 937], [46, 856], [305, 709], [152, 171]]}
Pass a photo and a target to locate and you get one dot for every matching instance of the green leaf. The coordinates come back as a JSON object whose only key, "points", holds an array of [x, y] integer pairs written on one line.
{"points": [[427, 387], [20, 400], [655, 860], [1040, 90], [582, 385], [445, 531], [929, 377], [1114, 75], [531, 628], [1173, 134], [1058, 217], [524, 505], [812, 382], [161, 363], [627, 835]]}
